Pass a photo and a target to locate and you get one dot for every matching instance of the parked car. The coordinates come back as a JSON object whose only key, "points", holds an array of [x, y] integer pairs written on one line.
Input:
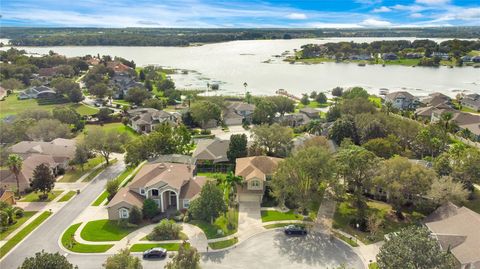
{"points": [[155, 253], [295, 230]]}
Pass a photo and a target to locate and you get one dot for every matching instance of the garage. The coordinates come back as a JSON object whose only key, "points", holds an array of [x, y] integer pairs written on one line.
{"points": [[250, 197]]}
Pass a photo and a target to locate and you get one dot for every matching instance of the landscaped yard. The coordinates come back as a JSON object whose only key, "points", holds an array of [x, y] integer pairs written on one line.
{"points": [[11, 106], [102, 197], [280, 225], [69, 242], [313, 104], [273, 215], [72, 175], [116, 126], [67, 196], [97, 171], [33, 196], [345, 214], [143, 247], [105, 230], [18, 223], [220, 223], [181, 236], [223, 244], [23, 233]]}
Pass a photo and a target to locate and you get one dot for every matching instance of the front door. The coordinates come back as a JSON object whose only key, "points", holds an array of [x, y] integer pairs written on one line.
{"points": [[173, 199]]}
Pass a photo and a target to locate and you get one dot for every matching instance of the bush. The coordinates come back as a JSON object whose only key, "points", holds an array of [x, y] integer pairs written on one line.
{"points": [[186, 219], [112, 188], [150, 209], [205, 132], [165, 230], [18, 212], [135, 215], [43, 196]]}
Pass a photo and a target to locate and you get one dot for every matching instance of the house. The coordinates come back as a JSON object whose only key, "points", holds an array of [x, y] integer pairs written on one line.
{"points": [[471, 101], [441, 55], [122, 82], [144, 120], [47, 72], [461, 119], [389, 56], [293, 120], [425, 113], [413, 55], [457, 231], [466, 58], [255, 172], [476, 59], [7, 196], [312, 113], [37, 92], [237, 113], [363, 57], [401, 100], [172, 186], [8, 179], [435, 99], [211, 150], [60, 149]]}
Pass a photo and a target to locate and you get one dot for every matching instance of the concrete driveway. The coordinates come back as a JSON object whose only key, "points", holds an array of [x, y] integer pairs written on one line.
{"points": [[249, 219], [218, 132], [273, 249]]}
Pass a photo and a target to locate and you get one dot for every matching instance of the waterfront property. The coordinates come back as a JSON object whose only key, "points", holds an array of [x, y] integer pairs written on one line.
{"points": [[401, 100], [172, 186], [237, 113], [144, 120], [471, 101]]}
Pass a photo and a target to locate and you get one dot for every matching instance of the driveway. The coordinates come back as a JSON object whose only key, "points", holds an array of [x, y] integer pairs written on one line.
{"points": [[249, 219], [218, 132], [273, 249]]}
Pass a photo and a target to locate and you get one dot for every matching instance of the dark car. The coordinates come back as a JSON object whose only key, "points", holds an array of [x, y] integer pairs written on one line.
{"points": [[155, 253], [295, 230]]}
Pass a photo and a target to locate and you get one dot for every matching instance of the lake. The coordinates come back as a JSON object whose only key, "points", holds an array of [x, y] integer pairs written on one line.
{"points": [[232, 63]]}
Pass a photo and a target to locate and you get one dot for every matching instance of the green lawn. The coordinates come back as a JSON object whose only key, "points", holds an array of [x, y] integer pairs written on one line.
{"points": [[220, 223], [181, 236], [211, 175], [312, 104], [102, 197], [18, 223], [474, 204], [33, 197], [69, 242], [272, 215], [143, 247], [223, 244], [11, 106], [67, 196], [72, 175], [373, 265], [116, 126], [23, 233], [280, 225], [376, 100], [97, 171], [105, 230], [345, 213], [352, 242]]}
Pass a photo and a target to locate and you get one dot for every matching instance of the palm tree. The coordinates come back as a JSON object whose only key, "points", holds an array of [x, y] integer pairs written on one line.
{"points": [[14, 163], [446, 118], [388, 107], [229, 185]]}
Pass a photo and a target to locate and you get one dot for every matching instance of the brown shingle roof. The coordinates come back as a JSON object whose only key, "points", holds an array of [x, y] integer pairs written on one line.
{"points": [[128, 196], [56, 148], [173, 174], [256, 167], [193, 188], [212, 149]]}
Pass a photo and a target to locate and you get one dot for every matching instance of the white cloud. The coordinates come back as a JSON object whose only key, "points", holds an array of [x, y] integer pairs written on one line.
{"points": [[297, 16], [433, 2], [332, 25], [368, 2], [375, 23], [416, 15], [382, 9]]}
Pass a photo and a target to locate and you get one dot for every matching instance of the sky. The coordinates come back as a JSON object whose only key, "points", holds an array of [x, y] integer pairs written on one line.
{"points": [[240, 14]]}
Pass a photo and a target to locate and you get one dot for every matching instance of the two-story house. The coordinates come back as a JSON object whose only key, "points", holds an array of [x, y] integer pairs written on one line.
{"points": [[237, 113], [144, 120], [255, 172], [401, 100], [172, 186]]}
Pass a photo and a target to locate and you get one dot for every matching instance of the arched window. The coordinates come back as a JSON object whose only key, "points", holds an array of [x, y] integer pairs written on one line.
{"points": [[123, 213]]}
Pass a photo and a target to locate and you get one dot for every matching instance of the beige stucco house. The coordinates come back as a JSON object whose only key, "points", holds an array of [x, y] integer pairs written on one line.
{"points": [[172, 186], [255, 172]]}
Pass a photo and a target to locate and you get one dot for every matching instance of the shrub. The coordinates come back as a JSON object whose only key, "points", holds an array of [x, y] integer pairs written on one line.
{"points": [[165, 230], [150, 208], [135, 215], [18, 212], [112, 188]]}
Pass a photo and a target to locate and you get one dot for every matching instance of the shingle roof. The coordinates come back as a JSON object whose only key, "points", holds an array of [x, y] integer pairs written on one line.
{"points": [[212, 149], [193, 188], [256, 167], [402, 94], [128, 196], [59, 147], [174, 175], [458, 230]]}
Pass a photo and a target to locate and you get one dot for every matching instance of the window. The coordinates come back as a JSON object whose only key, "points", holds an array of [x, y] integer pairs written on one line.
{"points": [[154, 192], [123, 213], [186, 203], [255, 183], [142, 191]]}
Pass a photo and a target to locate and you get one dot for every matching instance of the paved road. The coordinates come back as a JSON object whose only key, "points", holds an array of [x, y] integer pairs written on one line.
{"points": [[47, 235], [271, 249]]}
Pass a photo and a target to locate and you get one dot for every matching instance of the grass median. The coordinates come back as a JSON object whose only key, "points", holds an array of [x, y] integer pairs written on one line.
{"points": [[23, 233], [223, 244], [69, 242], [143, 247], [105, 230], [67, 196], [273, 215]]}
